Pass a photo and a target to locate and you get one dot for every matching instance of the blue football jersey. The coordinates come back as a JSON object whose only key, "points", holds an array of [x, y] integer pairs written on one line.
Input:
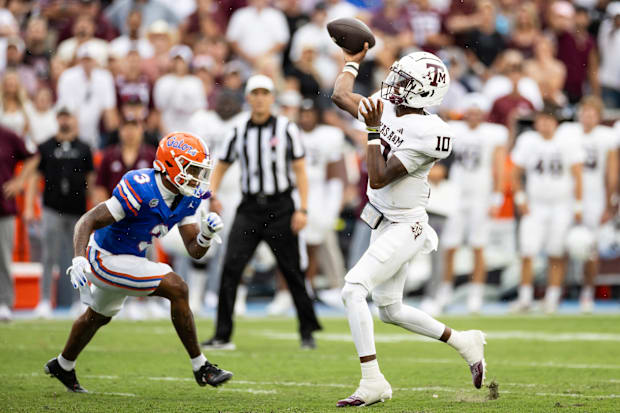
{"points": [[146, 214]]}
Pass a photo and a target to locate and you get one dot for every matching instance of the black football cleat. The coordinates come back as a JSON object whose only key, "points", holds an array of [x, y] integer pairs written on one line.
{"points": [[308, 343], [67, 378], [212, 375], [217, 344]]}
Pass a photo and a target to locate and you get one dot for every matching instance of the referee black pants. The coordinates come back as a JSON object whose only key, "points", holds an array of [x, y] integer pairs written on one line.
{"points": [[269, 221]]}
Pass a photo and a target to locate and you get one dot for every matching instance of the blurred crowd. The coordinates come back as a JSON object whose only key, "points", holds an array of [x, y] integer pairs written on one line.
{"points": [[90, 86]]}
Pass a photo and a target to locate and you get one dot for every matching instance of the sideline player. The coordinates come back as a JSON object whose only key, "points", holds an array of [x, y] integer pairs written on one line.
{"points": [[404, 141], [144, 205], [479, 155], [600, 181], [552, 165]]}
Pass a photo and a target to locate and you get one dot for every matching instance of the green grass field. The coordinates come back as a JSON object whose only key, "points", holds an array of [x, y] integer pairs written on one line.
{"points": [[558, 364]]}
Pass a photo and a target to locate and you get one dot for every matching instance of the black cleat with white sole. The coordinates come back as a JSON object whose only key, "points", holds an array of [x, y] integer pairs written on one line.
{"points": [[212, 375], [68, 378]]}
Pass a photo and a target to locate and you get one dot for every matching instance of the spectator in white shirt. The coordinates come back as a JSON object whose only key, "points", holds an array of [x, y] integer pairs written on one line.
{"points": [[83, 32], [256, 31], [41, 116], [132, 40], [338, 9], [91, 91], [315, 34], [609, 47], [152, 11], [178, 94]]}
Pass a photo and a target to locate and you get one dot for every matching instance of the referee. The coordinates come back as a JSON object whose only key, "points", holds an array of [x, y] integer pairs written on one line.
{"points": [[272, 164]]}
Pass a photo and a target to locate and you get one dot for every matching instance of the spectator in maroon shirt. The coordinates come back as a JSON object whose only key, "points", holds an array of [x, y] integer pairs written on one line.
{"points": [[575, 48], [130, 153], [391, 22], [12, 150], [507, 109], [209, 19], [103, 29]]}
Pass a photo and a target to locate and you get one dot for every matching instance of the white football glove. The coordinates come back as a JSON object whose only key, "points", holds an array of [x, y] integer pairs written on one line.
{"points": [[210, 224], [77, 271]]}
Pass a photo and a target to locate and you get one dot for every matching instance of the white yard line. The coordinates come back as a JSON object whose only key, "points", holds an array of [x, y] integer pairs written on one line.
{"points": [[105, 393], [330, 385], [491, 335]]}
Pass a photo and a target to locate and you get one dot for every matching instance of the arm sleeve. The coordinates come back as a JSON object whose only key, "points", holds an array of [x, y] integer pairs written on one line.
{"points": [[412, 159], [576, 153], [126, 192], [501, 135], [115, 208], [228, 151], [337, 148], [519, 153], [294, 144], [232, 34], [109, 95], [281, 27]]}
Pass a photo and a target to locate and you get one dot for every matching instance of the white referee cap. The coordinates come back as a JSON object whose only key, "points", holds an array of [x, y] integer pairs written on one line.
{"points": [[259, 82]]}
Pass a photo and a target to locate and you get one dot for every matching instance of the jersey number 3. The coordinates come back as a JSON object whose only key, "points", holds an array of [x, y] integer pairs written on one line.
{"points": [[443, 144]]}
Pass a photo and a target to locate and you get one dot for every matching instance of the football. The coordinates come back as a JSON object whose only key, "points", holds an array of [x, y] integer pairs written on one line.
{"points": [[350, 34]]}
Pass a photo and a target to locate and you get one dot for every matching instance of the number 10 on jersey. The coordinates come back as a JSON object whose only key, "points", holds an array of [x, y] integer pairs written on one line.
{"points": [[443, 143]]}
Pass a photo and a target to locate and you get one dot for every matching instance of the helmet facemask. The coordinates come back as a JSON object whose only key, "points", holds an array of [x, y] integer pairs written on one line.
{"points": [[193, 180], [398, 86]]}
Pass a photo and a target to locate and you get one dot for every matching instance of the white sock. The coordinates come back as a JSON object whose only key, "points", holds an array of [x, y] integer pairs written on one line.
{"points": [[67, 365], [476, 290], [198, 362], [587, 293], [552, 295], [360, 319], [444, 293], [412, 319], [455, 340], [526, 294], [370, 370]]}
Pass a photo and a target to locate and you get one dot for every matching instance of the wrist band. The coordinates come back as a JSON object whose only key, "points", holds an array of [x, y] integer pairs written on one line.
{"points": [[203, 241], [354, 65], [578, 207], [373, 136], [375, 142], [303, 211], [497, 199], [372, 129], [520, 198], [351, 70]]}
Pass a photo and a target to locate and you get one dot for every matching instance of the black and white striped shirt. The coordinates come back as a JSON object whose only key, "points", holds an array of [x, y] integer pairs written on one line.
{"points": [[265, 153]]}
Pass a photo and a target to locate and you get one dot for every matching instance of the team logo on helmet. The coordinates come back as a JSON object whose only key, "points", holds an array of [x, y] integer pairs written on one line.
{"points": [[436, 74], [182, 146]]}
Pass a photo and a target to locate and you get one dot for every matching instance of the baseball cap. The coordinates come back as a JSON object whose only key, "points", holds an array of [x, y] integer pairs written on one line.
{"points": [[63, 110], [550, 110], [17, 42], [290, 98], [475, 101], [259, 82], [182, 51], [613, 8]]}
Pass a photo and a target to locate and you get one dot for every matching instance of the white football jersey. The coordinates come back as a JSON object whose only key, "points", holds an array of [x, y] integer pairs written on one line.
{"points": [[547, 165], [418, 141], [596, 145], [472, 169], [213, 130], [324, 145]]}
